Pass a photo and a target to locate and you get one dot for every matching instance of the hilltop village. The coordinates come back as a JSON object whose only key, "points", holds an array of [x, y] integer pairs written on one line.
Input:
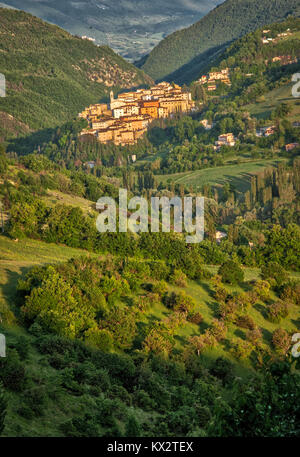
{"points": [[214, 76], [127, 117]]}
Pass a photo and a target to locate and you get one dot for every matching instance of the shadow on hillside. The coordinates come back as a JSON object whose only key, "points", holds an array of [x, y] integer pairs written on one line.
{"points": [[29, 143], [262, 310], [296, 322], [213, 305], [191, 70], [246, 286], [240, 183], [267, 335], [9, 289], [240, 334]]}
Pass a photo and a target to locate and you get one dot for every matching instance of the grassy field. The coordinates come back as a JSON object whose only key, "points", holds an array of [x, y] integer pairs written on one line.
{"points": [[274, 98], [239, 175], [54, 197], [18, 258]]}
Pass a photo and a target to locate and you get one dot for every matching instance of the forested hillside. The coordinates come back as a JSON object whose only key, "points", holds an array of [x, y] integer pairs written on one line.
{"points": [[131, 27], [52, 75], [188, 48], [256, 66]]}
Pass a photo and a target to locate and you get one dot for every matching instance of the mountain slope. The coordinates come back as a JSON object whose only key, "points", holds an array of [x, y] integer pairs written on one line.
{"points": [[226, 22], [257, 68], [52, 75], [130, 27]]}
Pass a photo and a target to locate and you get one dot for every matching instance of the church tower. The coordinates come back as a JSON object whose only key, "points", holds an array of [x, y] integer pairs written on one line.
{"points": [[112, 100]]}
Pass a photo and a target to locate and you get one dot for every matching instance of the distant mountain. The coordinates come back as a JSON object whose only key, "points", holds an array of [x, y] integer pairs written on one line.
{"points": [[184, 52], [131, 27], [52, 75]]}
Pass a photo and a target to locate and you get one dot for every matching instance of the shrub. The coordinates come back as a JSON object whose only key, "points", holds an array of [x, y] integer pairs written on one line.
{"points": [[262, 289], [252, 297], [202, 342], [245, 321], [223, 369], [291, 292], [143, 400], [7, 316], [159, 270], [179, 302], [84, 426], [221, 294], [241, 349], [36, 329], [254, 336], [195, 318], [36, 400], [160, 288], [231, 272], [120, 393], [100, 338], [12, 372], [277, 311], [203, 415], [138, 268], [281, 340], [275, 272], [218, 330], [227, 310], [22, 346], [132, 428], [178, 278]]}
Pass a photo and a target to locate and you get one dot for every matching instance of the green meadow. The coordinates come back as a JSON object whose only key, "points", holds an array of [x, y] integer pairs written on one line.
{"points": [[238, 174]]}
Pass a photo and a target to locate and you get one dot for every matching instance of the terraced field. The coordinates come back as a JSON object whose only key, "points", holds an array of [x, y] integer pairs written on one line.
{"points": [[239, 175]]}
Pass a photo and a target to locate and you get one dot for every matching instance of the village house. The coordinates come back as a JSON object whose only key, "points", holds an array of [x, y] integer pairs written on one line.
{"points": [[220, 236], [84, 37], [291, 146], [266, 131], [150, 107], [212, 88], [226, 139], [206, 124], [218, 75], [285, 60], [127, 117], [203, 79]]}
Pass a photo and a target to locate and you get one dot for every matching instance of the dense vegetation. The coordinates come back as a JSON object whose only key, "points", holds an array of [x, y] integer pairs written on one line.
{"points": [[91, 393], [251, 65], [122, 334], [185, 51], [125, 350], [51, 75]]}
